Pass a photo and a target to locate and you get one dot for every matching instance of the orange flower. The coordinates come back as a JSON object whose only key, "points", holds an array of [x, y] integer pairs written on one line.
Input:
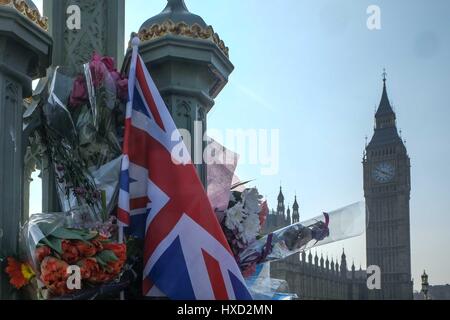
{"points": [[120, 250], [97, 244], [112, 270], [20, 273], [42, 252], [59, 288], [115, 267], [70, 252], [100, 276], [85, 249], [54, 275], [88, 267]]}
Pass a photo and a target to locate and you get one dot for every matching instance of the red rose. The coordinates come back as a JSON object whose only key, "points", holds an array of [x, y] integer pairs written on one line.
{"points": [[79, 94], [42, 252], [70, 252], [85, 249]]}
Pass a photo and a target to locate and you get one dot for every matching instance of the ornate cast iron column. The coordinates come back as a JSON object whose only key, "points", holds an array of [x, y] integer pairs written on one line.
{"points": [[101, 29], [190, 65], [25, 54]]}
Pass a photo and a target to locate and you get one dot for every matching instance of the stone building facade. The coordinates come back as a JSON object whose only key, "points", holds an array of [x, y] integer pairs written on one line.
{"points": [[312, 278]]}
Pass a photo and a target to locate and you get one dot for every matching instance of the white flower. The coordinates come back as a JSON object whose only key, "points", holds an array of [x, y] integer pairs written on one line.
{"points": [[251, 228], [234, 218], [251, 199]]}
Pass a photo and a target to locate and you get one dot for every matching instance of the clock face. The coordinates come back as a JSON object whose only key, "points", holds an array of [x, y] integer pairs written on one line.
{"points": [[384, 172]]}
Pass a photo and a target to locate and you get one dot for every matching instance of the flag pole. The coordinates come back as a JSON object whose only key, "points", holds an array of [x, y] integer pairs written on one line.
{"points": [[135, 41]]}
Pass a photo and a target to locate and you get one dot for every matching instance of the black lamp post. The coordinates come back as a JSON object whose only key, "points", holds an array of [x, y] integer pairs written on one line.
{"points": [[425, 285]]}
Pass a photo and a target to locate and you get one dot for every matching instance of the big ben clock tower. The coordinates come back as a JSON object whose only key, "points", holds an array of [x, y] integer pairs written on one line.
{"points": [[387, 188]]}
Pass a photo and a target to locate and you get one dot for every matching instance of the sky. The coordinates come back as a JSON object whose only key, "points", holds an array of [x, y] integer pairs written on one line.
{"points": [[312, 70]]}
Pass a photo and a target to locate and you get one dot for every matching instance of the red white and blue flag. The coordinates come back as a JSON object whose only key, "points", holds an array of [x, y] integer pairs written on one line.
{"points": [[162, 200]]}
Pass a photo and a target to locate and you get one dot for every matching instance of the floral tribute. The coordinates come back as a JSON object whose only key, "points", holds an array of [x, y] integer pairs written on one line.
{"points": [[100, 261], [52, 248], [83, 132], [242, 221], [82, 136]]}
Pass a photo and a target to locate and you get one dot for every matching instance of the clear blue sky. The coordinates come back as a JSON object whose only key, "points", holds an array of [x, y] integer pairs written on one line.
{"points": [[313, 70]]}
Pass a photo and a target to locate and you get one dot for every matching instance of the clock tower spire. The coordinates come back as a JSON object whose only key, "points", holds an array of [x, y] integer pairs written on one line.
{"points": [[387, 190]]}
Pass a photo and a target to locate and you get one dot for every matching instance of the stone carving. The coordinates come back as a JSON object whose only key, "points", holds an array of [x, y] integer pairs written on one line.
{"points": [[11, 94], [183, 29], [183, 113], [201, 115], [28, 12], [80, 44]]}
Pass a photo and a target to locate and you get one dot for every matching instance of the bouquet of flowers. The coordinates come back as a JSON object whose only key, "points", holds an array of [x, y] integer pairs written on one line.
{"points": [[242, 221], [82, 135], [55, 242]]}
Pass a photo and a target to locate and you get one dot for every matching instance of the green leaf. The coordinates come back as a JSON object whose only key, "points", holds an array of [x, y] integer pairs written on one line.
{"points": [[54, 243], [46, 228], [102, 263], [72, 234], [86, 234], [107, 256]]}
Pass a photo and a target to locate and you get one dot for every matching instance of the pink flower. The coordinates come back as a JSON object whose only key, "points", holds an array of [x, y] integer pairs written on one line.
{"points": [[79, 93], [116, 76], [122, 89], [109, 63], [98, 70]]}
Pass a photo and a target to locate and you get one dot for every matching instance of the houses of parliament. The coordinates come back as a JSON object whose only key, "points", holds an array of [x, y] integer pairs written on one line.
{"points": [[387, 187]]}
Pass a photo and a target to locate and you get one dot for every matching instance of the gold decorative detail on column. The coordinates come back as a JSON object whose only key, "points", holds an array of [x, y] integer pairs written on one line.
{"points": [[28, 100], [27, 11], [183, 29]]}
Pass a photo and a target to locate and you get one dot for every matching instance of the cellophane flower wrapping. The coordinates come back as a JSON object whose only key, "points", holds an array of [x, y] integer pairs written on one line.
{"points": [[337, 225], [263, 287], [55, 241], [84, 130]]}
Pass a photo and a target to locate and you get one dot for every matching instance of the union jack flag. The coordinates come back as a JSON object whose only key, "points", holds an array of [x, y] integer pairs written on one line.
{"points": [[162, 200]]}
